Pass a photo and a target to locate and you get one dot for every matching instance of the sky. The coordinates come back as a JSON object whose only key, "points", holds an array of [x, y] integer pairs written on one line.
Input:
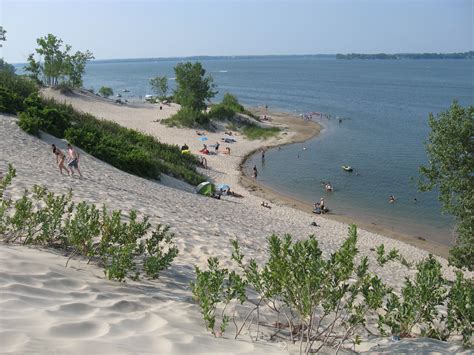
{"points": [[146, 28]]}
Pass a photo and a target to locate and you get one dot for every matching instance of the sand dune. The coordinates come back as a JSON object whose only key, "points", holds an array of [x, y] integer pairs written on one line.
{"points": [[45, 307]]}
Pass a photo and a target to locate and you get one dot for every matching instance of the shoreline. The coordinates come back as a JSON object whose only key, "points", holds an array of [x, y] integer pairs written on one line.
{"points": [[261, 190]]}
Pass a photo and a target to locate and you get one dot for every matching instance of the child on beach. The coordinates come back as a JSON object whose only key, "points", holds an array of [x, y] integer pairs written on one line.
{"points": [[73, 157], [60, 157]]}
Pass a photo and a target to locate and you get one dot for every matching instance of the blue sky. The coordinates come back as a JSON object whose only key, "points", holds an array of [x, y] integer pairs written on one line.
{"points": [[137, 29]]}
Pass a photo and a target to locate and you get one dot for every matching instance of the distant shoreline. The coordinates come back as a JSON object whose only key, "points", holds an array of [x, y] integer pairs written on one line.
{"points": [[398, 56]]}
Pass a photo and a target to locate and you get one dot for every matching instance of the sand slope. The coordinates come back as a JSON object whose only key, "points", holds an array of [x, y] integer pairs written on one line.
{"points": [[45, 307]]}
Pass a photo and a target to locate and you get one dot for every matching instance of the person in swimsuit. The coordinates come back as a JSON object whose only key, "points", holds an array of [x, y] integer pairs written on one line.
{"points": [[73, 158], [60, 157]]}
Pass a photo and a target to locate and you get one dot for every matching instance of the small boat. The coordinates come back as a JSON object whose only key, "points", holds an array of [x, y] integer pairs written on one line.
{"points": [[347, 168], [126, 90]]}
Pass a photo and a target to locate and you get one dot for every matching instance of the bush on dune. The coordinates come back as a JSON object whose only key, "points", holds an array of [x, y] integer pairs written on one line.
{"points": [[331, 302], [125, 249], [124, 148]]}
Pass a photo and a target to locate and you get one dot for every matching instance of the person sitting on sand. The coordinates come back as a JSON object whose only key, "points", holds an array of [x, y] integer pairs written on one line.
{"points": [[321, 204], [60, 158], [232, 193], [391, 199], [265, 204], [184, 147], [227, 151], [204, 149], [200, 133], [216, 147]]}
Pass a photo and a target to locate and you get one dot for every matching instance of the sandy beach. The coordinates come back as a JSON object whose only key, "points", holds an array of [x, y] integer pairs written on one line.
{"points": [[45, 307]]}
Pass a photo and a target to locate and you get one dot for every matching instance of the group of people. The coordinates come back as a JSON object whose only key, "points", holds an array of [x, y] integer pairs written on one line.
{"points": [[72, 159], [320, 207]]}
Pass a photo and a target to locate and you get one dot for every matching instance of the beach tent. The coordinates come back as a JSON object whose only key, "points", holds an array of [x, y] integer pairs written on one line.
{"points": [[204, 188]]}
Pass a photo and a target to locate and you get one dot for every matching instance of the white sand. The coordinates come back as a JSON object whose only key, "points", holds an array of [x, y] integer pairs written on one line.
{"points": [[45, 307]]}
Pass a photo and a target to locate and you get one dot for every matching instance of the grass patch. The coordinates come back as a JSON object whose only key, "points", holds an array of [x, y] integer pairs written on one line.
{"points": [[253, 131]]}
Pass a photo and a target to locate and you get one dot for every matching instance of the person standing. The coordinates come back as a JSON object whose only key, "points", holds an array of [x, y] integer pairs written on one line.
{"points": [[73, 158], [255, 172], [263, 155], [60, 157]]}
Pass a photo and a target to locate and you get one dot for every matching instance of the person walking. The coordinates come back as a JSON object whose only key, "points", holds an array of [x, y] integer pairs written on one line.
{"points": [[60, 158], [73, 158]]}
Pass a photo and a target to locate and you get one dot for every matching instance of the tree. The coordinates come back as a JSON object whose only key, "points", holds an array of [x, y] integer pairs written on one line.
{"points": [[76, 66], [450, 150], [160, 86], [2, 35], [106, 91], [34, 67], [193, 86], [4, 66], [56, 65]]}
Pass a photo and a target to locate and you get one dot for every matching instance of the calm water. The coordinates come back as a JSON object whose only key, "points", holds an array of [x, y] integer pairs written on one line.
{"points": [[384, 104]]}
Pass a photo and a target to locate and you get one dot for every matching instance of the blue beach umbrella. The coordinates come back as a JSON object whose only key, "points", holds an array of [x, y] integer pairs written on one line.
{"points": [[223, 187], [202, 139]]}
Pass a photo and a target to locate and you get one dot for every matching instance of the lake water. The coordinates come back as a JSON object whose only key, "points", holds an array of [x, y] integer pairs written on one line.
{"points": [[384, 105]]}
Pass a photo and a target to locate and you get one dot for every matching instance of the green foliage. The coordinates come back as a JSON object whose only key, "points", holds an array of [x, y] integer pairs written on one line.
{"points": [[193, 87], [187, 117], [9, 101], [160, 86], [450, 150], [254, 131], [159, 251], [6, 67], [43, 218], [461, 308], [393, 254], [221, 112], [2, 34], [13, 90], [57, 65], [297, 280], [419, 302], [329, 302], [126, 149], [105, 91], [213, 287]]}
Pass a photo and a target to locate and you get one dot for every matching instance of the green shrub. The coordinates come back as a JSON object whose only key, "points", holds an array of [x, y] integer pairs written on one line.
{"points": [[46, 219], [19, 85], [187, 117], [159, 251], [461, 308], [296, 280], [221, 112], [419, 302], [29, 124], [9, 101], [254, 131]]}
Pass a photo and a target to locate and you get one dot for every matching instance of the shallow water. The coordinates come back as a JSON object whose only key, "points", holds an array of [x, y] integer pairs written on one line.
{"points": [[384, 106]]}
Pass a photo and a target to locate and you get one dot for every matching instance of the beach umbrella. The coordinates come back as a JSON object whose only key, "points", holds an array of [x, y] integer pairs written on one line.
{"points": [[202, 139], [223, 187]]}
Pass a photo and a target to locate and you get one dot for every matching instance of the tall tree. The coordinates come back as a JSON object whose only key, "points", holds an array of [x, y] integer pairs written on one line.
{"points": [[2, 35], [450, 150], [193, 86], [160, 86], [56, 64], [34, 67]]}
